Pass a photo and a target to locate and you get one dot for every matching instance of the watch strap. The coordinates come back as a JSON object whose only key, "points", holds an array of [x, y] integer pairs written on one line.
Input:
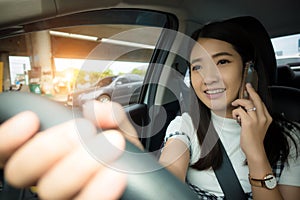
{"points": [[260, 182]]}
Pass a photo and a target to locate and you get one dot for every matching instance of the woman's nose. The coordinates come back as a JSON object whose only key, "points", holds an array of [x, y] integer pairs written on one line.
{"points": [[210, 75]]}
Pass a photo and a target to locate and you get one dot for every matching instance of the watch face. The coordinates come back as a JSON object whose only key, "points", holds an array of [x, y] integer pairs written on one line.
{"points": [[270, 181]]}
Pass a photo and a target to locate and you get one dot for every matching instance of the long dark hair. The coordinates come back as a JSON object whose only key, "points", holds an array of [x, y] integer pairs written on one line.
{"points": [[276, 136]]}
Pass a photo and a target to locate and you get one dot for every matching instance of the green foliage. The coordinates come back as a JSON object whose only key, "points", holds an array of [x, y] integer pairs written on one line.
{"points": [[82, 77], [106, 73], [138, 71]]}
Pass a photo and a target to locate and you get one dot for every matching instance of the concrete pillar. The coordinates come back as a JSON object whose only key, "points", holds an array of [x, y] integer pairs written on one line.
{"points": [[42, 58], [6, 72]]}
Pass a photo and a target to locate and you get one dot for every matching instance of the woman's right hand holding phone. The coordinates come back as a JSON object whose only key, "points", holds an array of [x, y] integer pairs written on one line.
{"points": [[255, 121]]}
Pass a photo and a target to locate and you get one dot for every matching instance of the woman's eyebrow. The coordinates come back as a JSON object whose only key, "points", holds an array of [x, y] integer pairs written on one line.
{"points": [[213, 56], [196, 60], [221, 54]]}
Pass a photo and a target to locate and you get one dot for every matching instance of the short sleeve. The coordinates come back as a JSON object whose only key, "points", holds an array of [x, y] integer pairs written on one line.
{"points": [[182, 128], [291, 171]]}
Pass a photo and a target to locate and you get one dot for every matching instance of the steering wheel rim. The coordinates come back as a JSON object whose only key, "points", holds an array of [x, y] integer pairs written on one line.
{"points": [[146, 185]]}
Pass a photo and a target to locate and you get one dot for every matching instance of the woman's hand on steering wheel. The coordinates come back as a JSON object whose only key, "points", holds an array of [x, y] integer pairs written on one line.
{"points": [[56, 161]]}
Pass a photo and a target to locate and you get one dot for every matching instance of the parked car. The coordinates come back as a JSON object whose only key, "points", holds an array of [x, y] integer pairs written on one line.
{"points": [[123, 89]]}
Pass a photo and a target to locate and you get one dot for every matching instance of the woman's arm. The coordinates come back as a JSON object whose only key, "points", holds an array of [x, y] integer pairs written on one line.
{"points": [[255, 123], [259, 167], [175, 157], [289, 192]]}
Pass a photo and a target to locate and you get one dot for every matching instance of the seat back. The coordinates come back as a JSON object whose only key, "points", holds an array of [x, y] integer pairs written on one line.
{"points": [[286, 101], [286, 76]]}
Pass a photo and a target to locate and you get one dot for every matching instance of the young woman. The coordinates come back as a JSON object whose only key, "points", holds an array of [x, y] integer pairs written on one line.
{"points": [[259, 145], [255, 144]]}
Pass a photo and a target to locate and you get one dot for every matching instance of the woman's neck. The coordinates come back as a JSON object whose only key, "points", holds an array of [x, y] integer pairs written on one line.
{"points": [[224, 113]]}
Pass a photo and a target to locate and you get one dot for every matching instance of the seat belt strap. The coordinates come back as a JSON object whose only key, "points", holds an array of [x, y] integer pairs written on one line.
{"points": [[228, 180]]}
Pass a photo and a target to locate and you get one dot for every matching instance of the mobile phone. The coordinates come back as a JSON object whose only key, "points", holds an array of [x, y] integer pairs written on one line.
{"points": [[249, 76]]}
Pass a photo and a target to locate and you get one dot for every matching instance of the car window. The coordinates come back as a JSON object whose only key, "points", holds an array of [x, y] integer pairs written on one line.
{"points": [[122, 81], [73, 56], [287, 50], [105, 81]]}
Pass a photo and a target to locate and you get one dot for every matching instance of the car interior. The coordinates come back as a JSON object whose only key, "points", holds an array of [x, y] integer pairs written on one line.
{"points": [[151, 35]]}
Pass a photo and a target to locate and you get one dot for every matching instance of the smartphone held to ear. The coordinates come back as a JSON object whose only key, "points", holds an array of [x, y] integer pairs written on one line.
{"points": [[249, 76]]}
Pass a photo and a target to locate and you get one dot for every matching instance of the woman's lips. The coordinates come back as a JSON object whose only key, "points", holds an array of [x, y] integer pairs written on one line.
{"points": [[214, 93]]}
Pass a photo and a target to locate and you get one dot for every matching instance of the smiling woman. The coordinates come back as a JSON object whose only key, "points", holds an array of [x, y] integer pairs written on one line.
{"points": [[216, 81], [240, 128]]}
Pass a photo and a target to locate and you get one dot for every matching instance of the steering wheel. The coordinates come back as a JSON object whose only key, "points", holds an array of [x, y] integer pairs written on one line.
{"points": [[156, 184]]}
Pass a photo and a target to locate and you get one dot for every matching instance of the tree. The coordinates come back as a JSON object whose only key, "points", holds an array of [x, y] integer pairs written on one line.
{"points": [[138, 71]]}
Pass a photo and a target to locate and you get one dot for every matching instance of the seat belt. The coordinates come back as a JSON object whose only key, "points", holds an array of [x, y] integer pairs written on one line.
{"points": [[228, 180]]}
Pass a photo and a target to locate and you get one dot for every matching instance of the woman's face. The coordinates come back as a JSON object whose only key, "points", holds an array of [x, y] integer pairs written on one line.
{"points": [[216, 74]]}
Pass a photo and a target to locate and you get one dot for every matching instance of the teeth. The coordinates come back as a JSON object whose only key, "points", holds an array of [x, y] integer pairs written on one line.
{"points": [[215, 91]]}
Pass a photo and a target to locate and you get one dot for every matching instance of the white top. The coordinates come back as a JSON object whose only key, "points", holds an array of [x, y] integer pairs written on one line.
{"points": [[229, 132]]}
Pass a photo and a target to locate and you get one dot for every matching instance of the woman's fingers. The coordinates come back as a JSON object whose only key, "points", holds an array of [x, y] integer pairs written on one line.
{"points": [[241, 116], [43, 151], [111, 182], [15, 132], [253, 106], [59, 160], [75, 171], [254, 97], [255, 120], [245, 110], [69, 160], [108, 115], [269, 118], [111, 115], [105, 115], [262, 112]]}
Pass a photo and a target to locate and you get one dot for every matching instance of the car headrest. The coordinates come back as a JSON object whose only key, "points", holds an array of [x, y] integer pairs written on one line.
{"points": [[284, 75], [286, 102]]}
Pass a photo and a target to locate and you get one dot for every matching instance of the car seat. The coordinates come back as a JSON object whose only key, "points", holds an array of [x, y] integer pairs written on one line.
{"points": [[285, 100], [286, 76]]}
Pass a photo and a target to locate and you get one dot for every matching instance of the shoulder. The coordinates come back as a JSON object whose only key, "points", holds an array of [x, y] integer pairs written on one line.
{"points": [[181, 123], [290, 174], [182, 128]]}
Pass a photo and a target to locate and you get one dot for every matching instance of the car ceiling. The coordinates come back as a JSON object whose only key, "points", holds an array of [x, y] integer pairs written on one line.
{"points": [[279, 17]]}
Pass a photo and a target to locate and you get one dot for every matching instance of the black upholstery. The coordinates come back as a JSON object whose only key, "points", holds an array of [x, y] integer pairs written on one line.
{"points": [[284, 75], [286, 101], [288, 77]]}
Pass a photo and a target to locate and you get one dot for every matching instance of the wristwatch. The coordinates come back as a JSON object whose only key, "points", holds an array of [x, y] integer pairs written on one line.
{"points": [[269, 181]]}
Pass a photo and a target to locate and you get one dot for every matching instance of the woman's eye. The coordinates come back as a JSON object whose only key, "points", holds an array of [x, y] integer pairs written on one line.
{"points": [[196, 67], [222, 62]]}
